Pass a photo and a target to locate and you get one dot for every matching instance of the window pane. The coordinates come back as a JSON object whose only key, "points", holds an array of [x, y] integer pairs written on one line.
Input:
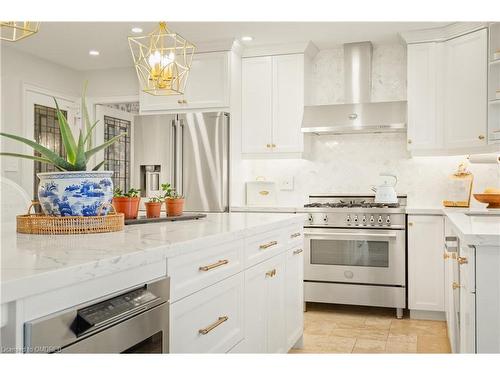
{"points": [[117, 156]]}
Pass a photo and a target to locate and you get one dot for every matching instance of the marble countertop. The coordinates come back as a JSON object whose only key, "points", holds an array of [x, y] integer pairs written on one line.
{"points": [[477, 228], [33, 264]]}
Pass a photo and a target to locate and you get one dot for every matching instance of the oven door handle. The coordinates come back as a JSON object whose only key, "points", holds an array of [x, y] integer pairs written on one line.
{"points": [[350, 235]]}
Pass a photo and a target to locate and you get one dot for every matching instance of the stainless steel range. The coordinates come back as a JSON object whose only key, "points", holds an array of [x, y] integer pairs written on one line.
{"points": [[355, 251]]}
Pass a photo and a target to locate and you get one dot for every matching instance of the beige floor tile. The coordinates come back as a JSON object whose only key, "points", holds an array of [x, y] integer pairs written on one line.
{"points": [[319, 328], [396, 346], [369, 346], [433, 344], [402, 338], [361, 333], [378, 322], [327, 344], [418, 327]]}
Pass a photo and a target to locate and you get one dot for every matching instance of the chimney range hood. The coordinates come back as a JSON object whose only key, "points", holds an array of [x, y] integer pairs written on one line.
{"points": [[358, 114]]}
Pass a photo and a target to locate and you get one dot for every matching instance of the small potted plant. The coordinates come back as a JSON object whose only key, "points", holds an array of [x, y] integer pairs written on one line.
{"points": [[173, 201], [153, 207], [127, 203]]}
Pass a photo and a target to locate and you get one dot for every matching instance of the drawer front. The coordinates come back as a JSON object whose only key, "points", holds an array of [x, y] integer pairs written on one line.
{"points": [[209, 321], [264, 246], [192, 272], [294, 234]]}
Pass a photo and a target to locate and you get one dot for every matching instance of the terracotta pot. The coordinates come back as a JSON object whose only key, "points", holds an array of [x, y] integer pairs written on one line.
{"points": [[175, 207], [128, 206], [153, 209]]}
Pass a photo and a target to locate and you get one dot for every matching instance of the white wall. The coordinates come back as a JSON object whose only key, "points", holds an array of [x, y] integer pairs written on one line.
{"points": [[18, 68], [351, 163], [111, 82]]}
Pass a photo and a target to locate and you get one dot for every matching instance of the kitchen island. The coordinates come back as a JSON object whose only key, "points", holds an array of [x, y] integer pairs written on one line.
{"points": [[42, 275]]}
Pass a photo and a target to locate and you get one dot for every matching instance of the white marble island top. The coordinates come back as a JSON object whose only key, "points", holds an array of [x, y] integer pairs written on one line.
{"points": [[475, 228], [33, 264]]}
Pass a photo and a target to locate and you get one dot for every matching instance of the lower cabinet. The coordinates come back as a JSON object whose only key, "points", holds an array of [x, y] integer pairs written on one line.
{"points": [[265, 326], [425, 263], [209, 321], [466, 262], [294, 297]]}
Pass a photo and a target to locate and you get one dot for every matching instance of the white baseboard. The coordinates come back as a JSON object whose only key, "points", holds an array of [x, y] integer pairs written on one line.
{"points": [[427, 315]]}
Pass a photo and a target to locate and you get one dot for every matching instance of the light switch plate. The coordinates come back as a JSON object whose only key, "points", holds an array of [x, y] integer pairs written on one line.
{"points": [[286, 183]]}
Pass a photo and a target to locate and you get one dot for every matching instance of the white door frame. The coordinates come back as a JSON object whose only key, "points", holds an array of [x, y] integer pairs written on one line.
{"points": [[32, 95]]}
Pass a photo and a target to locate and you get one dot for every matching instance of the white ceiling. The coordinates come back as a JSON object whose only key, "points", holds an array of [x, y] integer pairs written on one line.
{"points": [[68, 43]]}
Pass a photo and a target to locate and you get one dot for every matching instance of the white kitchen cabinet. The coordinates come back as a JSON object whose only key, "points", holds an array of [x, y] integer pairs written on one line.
{"points": [[265, 327], [272, 104], [447, 95], [207, 87], [424, 60], [209, 321], [466, 262], [451, 286], [294, 299], [465, 93], [425, 263]]}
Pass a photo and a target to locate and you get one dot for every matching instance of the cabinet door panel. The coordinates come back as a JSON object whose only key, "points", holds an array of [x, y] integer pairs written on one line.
{"points": [[276, 325], [424, 130], [256, 104], [467, 301], [465, 107], [294, 294], [288, 103], [425, 263]]}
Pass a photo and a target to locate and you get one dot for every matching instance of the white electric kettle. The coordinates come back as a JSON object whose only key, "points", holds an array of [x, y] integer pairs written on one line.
{"points": [[386, 192]]}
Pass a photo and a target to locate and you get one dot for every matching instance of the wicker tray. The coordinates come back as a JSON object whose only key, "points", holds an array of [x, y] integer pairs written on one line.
{"points": [[33, 223]]}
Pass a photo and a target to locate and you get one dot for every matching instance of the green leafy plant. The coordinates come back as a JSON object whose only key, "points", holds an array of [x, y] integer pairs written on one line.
{"points": [[156, 199], [175, 195], [132, 193], [169, 192], [78, 151]]}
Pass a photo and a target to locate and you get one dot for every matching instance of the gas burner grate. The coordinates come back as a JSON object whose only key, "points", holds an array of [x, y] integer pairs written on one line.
{"points": [[351, 204]]}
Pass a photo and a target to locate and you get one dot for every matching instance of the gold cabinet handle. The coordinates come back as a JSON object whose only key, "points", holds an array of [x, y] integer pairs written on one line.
{"points": [[184, 101], [455, 285], [297, 252], [294, 235], [268, 145], [214, 265], [268, 245], [481, 137], [219, 321], [410, 224], [462, 260], [409, 141], [273, 145], [179, 101], [446, 255], [271, 273]]}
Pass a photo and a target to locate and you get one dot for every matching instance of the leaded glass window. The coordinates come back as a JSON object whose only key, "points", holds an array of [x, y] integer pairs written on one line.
{"points": [[117, 156]]}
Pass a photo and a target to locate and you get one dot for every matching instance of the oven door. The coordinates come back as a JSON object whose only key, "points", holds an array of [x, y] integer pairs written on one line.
{"points": [[361, 256]]}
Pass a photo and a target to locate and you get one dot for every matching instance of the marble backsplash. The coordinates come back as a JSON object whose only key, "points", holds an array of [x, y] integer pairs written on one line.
{"points": [[352, 163]]}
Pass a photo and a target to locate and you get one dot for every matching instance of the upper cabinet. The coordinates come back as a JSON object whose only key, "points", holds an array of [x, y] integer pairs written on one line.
{"points": [[465, 101], [272, 104], [494, 84], [448, 93], [207, 86]]}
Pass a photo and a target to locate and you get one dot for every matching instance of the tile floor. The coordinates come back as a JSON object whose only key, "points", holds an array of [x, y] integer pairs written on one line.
{"points": [[358, 329]]}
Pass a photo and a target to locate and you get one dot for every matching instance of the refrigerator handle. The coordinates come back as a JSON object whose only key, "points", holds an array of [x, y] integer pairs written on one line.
{"points": [[173, 153], [179, 136]]}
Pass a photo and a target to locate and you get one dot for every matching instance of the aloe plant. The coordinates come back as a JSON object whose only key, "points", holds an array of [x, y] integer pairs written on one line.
{"points": [[78, 151]]}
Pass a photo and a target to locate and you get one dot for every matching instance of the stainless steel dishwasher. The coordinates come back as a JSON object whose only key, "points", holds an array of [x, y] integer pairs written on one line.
{"points": [[135, 320]]}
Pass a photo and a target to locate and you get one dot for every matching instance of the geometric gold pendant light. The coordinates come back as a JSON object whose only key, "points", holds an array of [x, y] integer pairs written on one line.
{"points": [[162, 61], [13, 31]]}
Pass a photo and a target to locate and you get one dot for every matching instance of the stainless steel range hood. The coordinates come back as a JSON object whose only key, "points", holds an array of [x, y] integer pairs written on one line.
{"points": [[358, 114]]}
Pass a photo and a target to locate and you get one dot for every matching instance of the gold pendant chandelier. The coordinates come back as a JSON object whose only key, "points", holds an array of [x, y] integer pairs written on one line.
{"points": [[162, 60], [13, 31]]}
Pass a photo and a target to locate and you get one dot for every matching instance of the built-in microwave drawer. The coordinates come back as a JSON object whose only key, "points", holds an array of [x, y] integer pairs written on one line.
{"points": [[209, 321], [264, 246], [194, 271]]}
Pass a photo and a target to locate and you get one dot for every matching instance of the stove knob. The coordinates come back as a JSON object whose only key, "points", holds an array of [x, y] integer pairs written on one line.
{"points": [[348, 219], [372, 219], [379, 220], [363, 220], [388, 220], [325, 218], [355, 219]]}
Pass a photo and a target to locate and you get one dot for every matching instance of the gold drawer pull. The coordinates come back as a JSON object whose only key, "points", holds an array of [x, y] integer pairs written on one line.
{"points": [[267, 245], [219, 321], [298, 251], [462, 260], [446, 255], [455, 285], [215, 265], [271, 273], [295, 235], [179, 101]]}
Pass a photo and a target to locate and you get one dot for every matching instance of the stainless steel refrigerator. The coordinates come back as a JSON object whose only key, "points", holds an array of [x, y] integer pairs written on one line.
{"points": [[192, 150]]}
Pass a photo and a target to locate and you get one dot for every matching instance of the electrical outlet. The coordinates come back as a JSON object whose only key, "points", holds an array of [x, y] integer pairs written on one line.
{"points": [[286, 183]]}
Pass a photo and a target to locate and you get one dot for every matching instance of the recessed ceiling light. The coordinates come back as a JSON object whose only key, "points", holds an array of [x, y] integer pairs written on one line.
{"points": [[93, 52], [246, 38], [136, 30]]}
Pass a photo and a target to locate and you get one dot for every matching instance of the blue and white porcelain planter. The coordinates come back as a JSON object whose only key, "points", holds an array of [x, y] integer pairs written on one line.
{"points": [[75, 193]]}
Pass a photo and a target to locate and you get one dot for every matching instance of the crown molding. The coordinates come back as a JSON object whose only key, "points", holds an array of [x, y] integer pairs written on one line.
{"points": [[442, 34], [307, 48]]}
